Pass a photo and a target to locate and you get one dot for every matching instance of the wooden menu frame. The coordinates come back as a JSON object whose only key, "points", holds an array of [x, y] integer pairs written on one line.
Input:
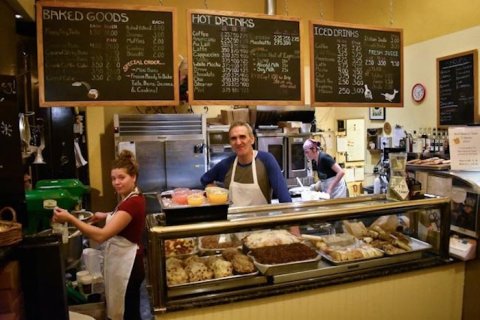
{"points": [[249, 97], [163, 82], [462, 112], [351, 94]]}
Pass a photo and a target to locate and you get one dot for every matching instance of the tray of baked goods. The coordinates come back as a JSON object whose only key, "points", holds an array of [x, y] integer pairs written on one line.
{"points": [[181, 247], [386, 239], [343, 248], [278, 251], [434, 163], [196, 274]]}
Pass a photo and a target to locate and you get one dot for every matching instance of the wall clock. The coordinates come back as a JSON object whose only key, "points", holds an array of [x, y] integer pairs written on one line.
{"points": [[387, 128], [418, 92]]}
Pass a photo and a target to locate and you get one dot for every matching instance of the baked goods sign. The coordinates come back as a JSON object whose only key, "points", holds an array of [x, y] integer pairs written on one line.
{"points": [[106, 54]]}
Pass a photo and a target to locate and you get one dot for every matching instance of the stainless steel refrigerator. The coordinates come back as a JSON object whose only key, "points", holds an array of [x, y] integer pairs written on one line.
{"points": [[170, 148]]}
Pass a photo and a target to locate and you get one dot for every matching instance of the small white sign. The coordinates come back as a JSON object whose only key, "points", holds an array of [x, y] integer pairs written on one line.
{"points": [[464, 148], [399, 186]]}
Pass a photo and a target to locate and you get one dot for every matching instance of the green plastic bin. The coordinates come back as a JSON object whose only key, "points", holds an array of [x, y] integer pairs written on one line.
{"points": [[39, 206], [74, 186]]}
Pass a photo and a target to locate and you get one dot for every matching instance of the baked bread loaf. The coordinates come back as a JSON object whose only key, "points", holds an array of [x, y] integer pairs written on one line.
{"points": [[176, 275], [193, 258], [350, 254], [173, 262], [242, 264], [222, 268], [269, 238], [229, 253], [198, 271]]}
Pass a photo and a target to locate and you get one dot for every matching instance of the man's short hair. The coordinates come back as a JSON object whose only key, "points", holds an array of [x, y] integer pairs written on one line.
{"points": [[241, 124]]}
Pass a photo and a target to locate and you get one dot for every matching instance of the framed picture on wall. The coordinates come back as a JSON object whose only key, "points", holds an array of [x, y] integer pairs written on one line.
{"points": [[376, 113]]}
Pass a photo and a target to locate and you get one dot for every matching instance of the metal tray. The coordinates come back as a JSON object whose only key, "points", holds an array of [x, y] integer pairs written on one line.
{"points": [[185, 214], [210, 281], [335, 262], [194, 249], [210, 251], [295, 266], [82, 215], [216, 285], [417, 246], [233, 281]]}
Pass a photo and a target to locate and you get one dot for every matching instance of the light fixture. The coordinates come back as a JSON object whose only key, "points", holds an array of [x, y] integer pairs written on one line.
{"points": [[18, 16]]}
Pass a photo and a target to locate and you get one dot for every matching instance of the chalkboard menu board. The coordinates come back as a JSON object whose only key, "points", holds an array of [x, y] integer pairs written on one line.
{"points": [[457, 89], [354, 65], [106, 54], [10, 157], [243, 59]]}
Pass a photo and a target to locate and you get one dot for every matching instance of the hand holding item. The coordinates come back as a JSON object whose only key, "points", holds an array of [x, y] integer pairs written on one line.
{"points": [[60, 215], [98, 216], [316, 186]]}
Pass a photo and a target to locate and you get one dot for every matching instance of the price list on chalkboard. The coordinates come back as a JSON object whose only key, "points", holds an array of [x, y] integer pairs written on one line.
{"points": [[244, 59], [355, 65], [106, 55], [456, 89]]}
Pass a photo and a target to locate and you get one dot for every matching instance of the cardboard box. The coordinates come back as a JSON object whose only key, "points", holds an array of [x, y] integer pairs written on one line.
{"points": [[230, 116], [10, 276], [290, 124], [291, 130], [227, 116]]}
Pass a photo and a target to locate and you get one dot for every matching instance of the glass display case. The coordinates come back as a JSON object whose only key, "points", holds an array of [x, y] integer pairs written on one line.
{"points": [[292, 247]]}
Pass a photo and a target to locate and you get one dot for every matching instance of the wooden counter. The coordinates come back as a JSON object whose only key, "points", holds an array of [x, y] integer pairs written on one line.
{"points": [[434, 293]]}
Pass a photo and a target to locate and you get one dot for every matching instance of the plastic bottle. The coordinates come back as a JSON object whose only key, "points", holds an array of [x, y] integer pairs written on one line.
{"points": [[433, 141], [376, 185], [417, 145]]}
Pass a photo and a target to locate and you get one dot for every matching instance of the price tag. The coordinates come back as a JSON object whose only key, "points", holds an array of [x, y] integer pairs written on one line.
{"points": [[399, 186], [49, 204]]}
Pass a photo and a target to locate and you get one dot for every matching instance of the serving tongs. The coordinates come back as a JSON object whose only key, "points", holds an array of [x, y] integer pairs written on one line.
{"points": [[299, 182]]}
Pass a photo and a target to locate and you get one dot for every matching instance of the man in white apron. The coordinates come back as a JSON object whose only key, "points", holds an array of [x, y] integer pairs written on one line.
{"points": [[252, 177], [246, 194]]}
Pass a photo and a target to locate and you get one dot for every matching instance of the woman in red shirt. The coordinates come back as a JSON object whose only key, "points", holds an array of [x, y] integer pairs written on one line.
{"points": [[123, 254]]}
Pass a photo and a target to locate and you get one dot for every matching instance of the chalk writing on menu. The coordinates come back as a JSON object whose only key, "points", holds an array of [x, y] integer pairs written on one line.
{"points": [[355, 65], [240, 59], [456, 89], [9, 128], [98, 55]]}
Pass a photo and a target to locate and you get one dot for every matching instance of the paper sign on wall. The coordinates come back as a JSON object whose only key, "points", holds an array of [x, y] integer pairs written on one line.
{"points": [[341, 144], [464, 148]]}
